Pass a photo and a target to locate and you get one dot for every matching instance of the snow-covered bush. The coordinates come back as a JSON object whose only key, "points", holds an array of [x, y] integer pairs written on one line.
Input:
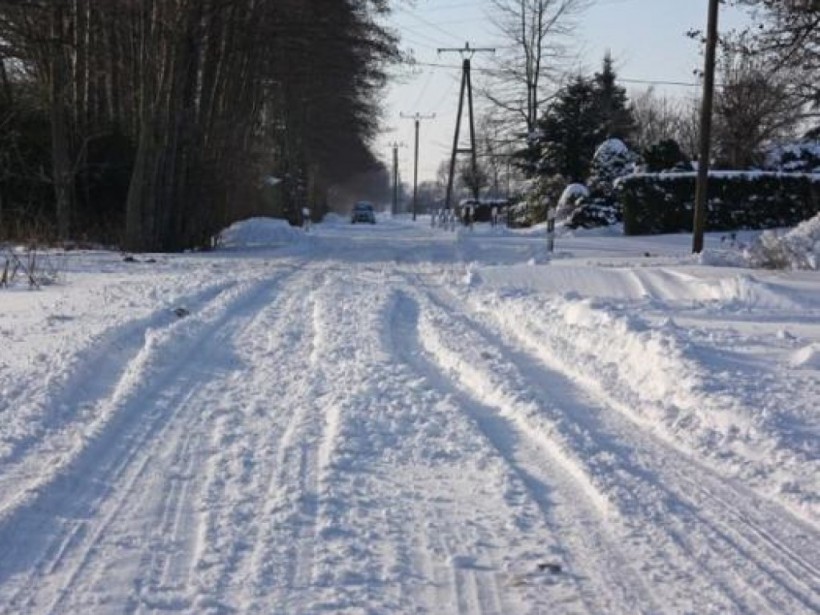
{"points": [[541, 193], [612, 160], [799, 157], [573, 197], [797, 249]]}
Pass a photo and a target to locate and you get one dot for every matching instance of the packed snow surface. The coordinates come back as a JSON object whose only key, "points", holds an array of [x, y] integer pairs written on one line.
{"points": [[398, 419]]}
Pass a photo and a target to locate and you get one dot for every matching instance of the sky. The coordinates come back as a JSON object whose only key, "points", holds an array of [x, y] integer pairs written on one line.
{"points": [[647, 39]]}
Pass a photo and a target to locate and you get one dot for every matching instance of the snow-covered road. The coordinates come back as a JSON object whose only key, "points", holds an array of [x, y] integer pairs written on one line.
{"points": [[396, 419]]}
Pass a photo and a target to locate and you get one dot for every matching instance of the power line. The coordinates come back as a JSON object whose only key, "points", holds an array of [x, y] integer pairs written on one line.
{"points": [[492, 71], [423, 89], [430, 24], [416, 32], [446, 93], [447, 7]]}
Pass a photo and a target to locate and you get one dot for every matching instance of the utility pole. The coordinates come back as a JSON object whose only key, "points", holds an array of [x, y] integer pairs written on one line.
{"points": [[466, 53], [395, 145], [701, 190], [417, 117]]}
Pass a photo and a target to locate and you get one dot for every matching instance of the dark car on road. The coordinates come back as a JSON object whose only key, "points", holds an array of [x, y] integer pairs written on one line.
{"points": [[363, 211]]}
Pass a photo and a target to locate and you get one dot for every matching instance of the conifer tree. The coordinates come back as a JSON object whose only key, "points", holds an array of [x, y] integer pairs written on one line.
{"points": [[569, 131], [616, 118], [584, 113]]}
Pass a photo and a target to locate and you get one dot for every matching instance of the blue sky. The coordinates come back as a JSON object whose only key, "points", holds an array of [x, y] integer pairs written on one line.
{"points": [[646, 38]]}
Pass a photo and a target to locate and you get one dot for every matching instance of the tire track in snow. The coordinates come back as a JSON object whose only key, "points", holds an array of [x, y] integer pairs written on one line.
{"points": [[91, 383], [183, 389], [168, 579], [237, 524], [576, 526], [786, 539], [309, 452], [280, 565], [465, 583], [162, 579], [358, 549], [94, 487], [761, 586]]}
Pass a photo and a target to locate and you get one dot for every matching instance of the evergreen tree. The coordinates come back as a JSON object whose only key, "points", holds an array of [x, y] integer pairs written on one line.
{"points": [[615, 115], [569, 131], [586, 112]]}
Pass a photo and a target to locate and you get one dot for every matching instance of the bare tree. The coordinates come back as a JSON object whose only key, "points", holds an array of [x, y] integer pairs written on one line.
{"points": [[656, 119], [787, 35], [537, 33], [199, 98], [687, 132], [752, 109], [473, 179]]}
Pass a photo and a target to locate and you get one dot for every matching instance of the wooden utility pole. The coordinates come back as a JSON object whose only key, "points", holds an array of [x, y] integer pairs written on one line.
{"points": [[466, 53], [417, 117], [701, 191], [395, 145]]}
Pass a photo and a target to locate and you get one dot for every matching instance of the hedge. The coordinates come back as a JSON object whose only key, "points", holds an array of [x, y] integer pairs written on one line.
{"points": [[656, 203]]}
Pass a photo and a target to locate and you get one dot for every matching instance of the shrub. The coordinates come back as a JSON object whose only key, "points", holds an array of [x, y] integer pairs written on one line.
{"points": [[541, 193], [665, 155], [664, 203], [573, 197], [612, 160]]}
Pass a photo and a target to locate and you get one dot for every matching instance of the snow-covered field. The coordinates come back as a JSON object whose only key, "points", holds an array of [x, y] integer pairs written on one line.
{"points": [[397, 419]]}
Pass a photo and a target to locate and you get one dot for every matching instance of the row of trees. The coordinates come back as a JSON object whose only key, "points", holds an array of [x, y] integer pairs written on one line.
{"points": [[155, 122]]}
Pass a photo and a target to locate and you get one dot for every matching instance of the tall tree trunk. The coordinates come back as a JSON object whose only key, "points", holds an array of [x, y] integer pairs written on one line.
{"points": [[61, 170]]}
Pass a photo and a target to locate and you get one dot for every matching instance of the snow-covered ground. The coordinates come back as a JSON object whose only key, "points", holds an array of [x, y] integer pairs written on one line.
{"points": [[397, 419]]}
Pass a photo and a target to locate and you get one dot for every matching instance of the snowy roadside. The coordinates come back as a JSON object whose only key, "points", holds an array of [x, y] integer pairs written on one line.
{"points": [[718, 361]]}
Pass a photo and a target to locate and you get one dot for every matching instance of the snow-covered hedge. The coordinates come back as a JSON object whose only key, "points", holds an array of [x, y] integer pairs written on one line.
{"points": [[663, 202]]}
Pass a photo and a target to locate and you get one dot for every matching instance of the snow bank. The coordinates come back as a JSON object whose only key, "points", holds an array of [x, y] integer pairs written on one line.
{"points": [[259, 232], [797, 249], [807, 357], [665, 381], [334, 219]]}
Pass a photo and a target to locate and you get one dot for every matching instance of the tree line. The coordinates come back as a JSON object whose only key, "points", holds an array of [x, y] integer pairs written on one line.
{"points": [[152, 124]]}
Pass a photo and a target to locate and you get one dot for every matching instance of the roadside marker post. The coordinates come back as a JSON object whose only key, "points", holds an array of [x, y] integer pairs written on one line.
{"points": [[550, 229]]}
